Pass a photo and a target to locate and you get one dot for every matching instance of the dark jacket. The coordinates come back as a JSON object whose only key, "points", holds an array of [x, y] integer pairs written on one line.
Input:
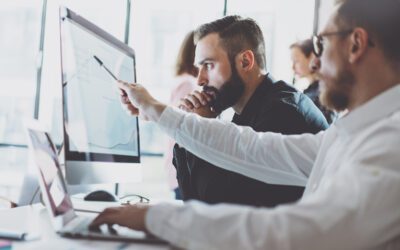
{"points": [[313, 93], [275, 107]]}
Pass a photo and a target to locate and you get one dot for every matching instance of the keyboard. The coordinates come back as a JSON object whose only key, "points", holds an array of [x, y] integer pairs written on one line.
{"points": [[78, 226]]}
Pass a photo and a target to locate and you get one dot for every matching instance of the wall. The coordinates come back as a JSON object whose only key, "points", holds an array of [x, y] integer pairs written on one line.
{"points": [[326, 6]]}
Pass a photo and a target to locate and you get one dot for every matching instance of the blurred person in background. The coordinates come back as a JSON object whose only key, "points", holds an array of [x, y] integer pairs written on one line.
{"points": [[302, 55], [185, 83]]}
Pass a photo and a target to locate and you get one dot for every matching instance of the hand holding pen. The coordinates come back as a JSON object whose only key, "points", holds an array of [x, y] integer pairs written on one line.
{"points": [[135, 97]]}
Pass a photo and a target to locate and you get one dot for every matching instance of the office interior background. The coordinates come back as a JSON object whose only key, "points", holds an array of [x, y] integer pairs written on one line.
{"points": [[30, 78]]}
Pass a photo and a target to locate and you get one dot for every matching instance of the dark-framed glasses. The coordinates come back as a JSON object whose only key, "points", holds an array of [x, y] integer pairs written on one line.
{"points": [[318, 40], [133, 199], [318, 45]]}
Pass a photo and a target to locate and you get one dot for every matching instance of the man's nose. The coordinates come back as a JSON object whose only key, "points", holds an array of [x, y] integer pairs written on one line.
{"points": [[315, 64], [202, 80]]}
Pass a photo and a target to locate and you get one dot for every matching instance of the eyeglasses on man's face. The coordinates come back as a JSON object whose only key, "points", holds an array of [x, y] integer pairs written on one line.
{"points": [[318, 40]]}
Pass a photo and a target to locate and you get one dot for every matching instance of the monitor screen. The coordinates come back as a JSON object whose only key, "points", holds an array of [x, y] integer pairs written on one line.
{"points": [[96, 127]]}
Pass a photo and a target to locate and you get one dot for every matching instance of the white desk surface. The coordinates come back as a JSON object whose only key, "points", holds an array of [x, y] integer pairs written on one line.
{"points": [[35, 219]]}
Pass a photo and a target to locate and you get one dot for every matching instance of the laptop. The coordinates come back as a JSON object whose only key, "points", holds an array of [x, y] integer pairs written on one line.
{"points": [[58, 202]]}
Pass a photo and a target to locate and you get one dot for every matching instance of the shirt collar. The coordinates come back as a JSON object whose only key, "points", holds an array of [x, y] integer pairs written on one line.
{"points": [[374, 110]]}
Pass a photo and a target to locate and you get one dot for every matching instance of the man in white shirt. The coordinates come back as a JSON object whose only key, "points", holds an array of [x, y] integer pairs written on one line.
{"points": [[351, 171]]}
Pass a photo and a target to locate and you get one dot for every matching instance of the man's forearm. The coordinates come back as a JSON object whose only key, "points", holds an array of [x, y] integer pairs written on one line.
{"points": [[221, 144], [154, 110]]}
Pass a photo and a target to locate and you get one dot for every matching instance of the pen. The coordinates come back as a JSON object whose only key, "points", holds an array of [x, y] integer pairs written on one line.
{"points": [[108, 71], [16, 235], [104, 67]]}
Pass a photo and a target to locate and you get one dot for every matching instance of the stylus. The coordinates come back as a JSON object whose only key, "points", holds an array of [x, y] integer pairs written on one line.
{"points": [[104, 67], [15, 235]]}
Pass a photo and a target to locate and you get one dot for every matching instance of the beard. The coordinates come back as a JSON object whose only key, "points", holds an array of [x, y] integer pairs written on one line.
{"points": [[229, 94], [337, 97]]}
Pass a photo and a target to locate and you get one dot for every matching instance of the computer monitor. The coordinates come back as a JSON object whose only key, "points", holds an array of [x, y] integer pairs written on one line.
{"points": [[101, 141]]}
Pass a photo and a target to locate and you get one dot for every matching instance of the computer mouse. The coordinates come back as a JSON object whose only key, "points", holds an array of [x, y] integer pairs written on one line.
{"points": [[100, 195]]}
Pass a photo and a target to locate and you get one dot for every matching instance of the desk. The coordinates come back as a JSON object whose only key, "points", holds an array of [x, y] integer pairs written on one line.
{"points": [[36, 219]]}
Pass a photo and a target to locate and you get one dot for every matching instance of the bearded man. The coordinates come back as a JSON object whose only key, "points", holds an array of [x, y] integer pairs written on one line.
{"points": [[230, 56]]}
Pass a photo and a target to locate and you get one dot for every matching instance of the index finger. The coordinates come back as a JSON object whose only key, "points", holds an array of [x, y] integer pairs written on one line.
{"points": [[124, 85], [105, 217], [203, 97], [100, 220]]}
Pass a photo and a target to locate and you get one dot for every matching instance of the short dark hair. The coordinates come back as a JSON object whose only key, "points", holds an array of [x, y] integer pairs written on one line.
{"points": [[380, 18], [236, 34], [185, 59], [306, 46]]}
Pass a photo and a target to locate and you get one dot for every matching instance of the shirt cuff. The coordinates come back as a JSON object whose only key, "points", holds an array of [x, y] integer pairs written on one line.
{"points": [[157, 221], [170, 120]]}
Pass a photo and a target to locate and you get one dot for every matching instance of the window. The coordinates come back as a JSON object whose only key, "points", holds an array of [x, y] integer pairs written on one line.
{"points": [[157, 30], [111, 21], [283, 22], [20, 20], [20, 24]]}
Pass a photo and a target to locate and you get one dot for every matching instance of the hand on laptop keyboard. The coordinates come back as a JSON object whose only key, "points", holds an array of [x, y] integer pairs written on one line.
{"points": [[102, 229], [131, 216], [112, 230], [94, 229]]}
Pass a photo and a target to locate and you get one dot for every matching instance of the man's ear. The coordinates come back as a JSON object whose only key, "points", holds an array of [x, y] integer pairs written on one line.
{"points": [[358, 44], [246, 60]]}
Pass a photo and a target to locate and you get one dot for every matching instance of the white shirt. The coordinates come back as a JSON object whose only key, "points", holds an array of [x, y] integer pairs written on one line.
{"points": [[352, 172]]}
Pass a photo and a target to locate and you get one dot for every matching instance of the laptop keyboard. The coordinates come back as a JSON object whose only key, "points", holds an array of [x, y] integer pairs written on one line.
{"points": [[79, 225], [79, 228]]}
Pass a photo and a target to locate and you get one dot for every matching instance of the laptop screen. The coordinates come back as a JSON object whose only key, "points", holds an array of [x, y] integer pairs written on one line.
{"points": [[50, 174]]}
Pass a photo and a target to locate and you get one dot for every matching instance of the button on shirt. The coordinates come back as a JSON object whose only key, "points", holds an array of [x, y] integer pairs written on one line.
{"points": [[351, 172]]}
